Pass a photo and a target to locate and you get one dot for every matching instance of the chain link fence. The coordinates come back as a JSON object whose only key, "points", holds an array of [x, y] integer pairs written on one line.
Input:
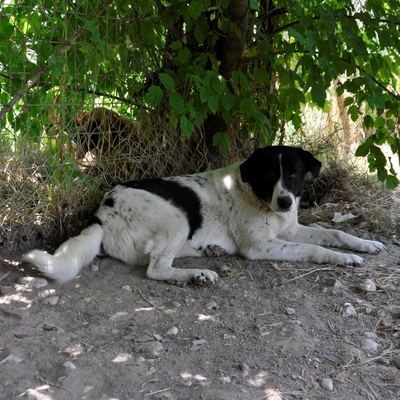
{"points": [[72, 117]]}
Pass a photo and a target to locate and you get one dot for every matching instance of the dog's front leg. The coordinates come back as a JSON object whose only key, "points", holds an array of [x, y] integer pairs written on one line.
{"points": [[280, 250], [329, 238]]}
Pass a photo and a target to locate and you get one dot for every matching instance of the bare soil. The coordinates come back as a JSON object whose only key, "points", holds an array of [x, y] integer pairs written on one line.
{"points": [[265, 330]]}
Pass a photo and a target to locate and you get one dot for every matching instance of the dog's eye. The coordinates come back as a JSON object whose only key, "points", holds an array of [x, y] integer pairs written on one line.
{"points": [[270, 174], [295, 174]]}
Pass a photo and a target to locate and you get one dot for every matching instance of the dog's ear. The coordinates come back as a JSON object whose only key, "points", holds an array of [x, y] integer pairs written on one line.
{"points": [[249, 167], [311, 163]]}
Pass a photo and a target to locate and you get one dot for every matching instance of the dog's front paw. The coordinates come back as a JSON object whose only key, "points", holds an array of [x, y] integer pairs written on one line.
{"points": [[371, 246], [351, 260], [203, 276]]}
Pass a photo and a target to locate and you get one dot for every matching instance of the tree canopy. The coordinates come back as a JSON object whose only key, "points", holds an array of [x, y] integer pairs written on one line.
{"points": [[218, 65]]}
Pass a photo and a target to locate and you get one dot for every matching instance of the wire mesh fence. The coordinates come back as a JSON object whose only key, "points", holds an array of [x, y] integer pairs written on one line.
{"points": [[73, 122]]}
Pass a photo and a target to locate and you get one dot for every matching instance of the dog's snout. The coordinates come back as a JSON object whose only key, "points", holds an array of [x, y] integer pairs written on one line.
{"points": [[284, 202]]}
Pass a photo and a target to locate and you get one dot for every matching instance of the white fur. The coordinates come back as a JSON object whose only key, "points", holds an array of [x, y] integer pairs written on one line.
{"points": [[142, 228]]}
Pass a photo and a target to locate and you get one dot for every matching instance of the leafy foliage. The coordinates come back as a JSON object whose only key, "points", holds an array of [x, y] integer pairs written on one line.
{"points": [[252, 64]]}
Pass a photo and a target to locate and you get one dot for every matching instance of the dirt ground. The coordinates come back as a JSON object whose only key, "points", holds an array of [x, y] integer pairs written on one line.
{"points": [[265, 330]]}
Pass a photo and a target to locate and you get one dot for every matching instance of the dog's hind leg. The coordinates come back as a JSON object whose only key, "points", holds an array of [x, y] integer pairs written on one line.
{"points": [[162, 250]]}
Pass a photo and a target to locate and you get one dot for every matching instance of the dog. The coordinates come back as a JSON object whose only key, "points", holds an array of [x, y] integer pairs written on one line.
{"points": [[248, 209]]}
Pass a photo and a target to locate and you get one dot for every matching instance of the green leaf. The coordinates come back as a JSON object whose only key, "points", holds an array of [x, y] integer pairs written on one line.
{"points": [[176, 102], [187, 126], [154, 96], [222, 140], [93, 27], [318, 94], [167, 81], [392, 182], [213, 104], [56, 65]]}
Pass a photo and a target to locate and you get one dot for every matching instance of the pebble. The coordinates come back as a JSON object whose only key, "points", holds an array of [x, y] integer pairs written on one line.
{"points": [[144, 339], [12, 311], [49, 327], [33, 282], [69, 365], [172, 331], [327, 384], [11, 357], [367, 285], [51, 300], [188, 384], [334, 283], [7, 290], [175, 304], [290, 311], [348, 310], [212, 305], [94, 267], [153, 348], [244, 368], [127, 287], [197, 345], [157, 337], [368, 344], [46, 293], [33, 394]]}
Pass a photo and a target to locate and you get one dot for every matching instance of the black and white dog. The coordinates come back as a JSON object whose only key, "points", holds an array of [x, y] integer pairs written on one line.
{"points": [[248, 209]]}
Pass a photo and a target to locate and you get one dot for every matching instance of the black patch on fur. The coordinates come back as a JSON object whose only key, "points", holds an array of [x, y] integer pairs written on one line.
{"points": [[180, 196], [109, 201], [95, 220]]}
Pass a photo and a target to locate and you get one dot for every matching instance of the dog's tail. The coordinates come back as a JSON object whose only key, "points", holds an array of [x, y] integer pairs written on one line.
{"points": [[70, 257]]}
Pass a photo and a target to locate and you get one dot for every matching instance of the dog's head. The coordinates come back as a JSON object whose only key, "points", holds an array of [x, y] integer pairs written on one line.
{"points": [[276, 174]]}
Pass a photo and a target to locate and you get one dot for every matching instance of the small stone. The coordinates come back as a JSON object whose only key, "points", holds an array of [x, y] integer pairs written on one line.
{"points": [[39, 283], [94, 267], [290, 311], [32, 394], [368, 344], [140, 359], [212, 305], [348, 310], [11, 357], [52, 300], [172, 331], [334, 283], [244, 368], [32, 282], [327, 384], [12, 311], [144, 339], [127, 287], [69, 365], [175, 304], [367, 285], [153, 348], [170, 311], [157, 337], [46, 293], [49, 327], [7, 290], [188, 383], [197, 345]]}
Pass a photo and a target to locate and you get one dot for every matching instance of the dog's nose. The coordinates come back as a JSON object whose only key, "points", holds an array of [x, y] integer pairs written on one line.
{"points": [[284, 202]]}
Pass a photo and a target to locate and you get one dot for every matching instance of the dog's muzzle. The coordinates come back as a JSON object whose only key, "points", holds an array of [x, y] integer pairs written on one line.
{"points": [[284, 203]]}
